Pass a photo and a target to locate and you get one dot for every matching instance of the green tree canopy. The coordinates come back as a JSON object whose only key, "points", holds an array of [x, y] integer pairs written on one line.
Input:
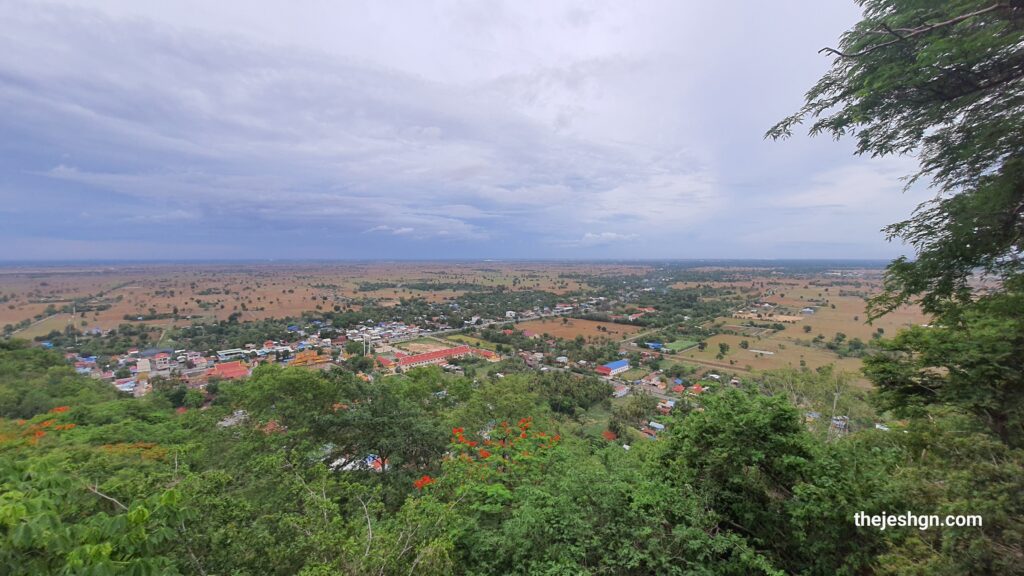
{"points": [[942, 81]]}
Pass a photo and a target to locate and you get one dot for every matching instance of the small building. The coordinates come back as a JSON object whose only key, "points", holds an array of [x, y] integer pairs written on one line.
{"points": [[162, 361], [142, 369], [620, 391]]}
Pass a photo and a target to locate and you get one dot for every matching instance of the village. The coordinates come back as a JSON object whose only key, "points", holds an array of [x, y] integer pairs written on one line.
{"points": [[657, 337]]}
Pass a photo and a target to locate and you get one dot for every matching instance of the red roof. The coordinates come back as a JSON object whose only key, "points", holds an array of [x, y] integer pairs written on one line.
{"points": [[162, 355], [609, 435], [229, 370], [385, 362], [484, 353], [433, 356], [678, 388]]}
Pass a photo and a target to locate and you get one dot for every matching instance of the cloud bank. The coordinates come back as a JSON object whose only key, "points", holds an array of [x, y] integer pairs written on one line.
{"points": [[424, 130]]}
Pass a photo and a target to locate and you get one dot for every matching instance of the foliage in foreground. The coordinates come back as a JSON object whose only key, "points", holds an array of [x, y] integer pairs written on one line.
{"points": [[484, 479]]}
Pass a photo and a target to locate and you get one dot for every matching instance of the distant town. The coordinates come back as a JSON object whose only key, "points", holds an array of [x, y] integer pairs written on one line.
{"points": [[667, 333]]}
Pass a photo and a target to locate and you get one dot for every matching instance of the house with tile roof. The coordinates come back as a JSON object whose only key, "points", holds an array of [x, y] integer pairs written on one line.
{"points": [[228, 370]]}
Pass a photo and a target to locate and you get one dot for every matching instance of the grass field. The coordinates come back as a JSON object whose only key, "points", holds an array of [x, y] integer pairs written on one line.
{"points": [[634, 374], [476, 342], [681, 345]]}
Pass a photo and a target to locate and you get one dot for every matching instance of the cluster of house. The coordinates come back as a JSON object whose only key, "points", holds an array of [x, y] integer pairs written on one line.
{"points": [[384, 332], [634, 316], [133, 371], [576, 305], [196, 369]]}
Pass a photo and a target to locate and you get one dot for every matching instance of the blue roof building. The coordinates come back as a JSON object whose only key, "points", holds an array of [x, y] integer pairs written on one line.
{"points": [[613, 368]]}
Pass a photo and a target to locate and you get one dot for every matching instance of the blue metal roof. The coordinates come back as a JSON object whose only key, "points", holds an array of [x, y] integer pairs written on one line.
{"points": [[617, 364]]}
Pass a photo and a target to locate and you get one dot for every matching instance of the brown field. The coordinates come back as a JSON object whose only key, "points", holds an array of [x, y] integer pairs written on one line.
{"points": [[791, 345], [586, 328], [256, 291], [420, 346]]}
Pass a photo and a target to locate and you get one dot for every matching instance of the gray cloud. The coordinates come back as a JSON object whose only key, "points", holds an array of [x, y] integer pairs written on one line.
{"points": [[516, 130]]}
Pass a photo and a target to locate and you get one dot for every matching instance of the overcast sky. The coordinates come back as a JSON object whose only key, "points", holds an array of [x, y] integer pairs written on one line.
{"points": [[197, 129]]}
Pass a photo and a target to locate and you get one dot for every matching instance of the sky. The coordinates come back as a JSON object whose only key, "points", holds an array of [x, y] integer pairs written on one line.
{"points": [[427, 129]]}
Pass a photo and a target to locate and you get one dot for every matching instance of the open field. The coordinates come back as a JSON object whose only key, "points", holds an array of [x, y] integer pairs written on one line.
{"points": [[104, 296], [420, 345], [681, 345], [475, 342], [570, 328], [263, 290]]}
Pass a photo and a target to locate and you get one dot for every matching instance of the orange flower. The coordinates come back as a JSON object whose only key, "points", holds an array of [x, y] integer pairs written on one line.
{"points": [[425, 480], [471, 444], [20, 421], [60, 409], [47, 423], [40, 433], [485, 454]]}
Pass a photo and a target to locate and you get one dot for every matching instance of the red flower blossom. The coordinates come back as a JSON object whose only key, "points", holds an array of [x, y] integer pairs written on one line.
{"points": [[419, 484], [47, 423], [471, 444], [458, 431], [485, 454], [60, 409], [523, 435], [40, 433]]}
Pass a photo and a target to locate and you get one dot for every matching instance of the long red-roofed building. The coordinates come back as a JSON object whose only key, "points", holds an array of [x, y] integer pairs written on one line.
{"points": [[435, 357]]}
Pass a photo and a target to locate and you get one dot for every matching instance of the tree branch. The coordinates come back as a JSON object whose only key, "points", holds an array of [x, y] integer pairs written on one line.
{"points": [[369, 527], [912, 32], [95, 491]]}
